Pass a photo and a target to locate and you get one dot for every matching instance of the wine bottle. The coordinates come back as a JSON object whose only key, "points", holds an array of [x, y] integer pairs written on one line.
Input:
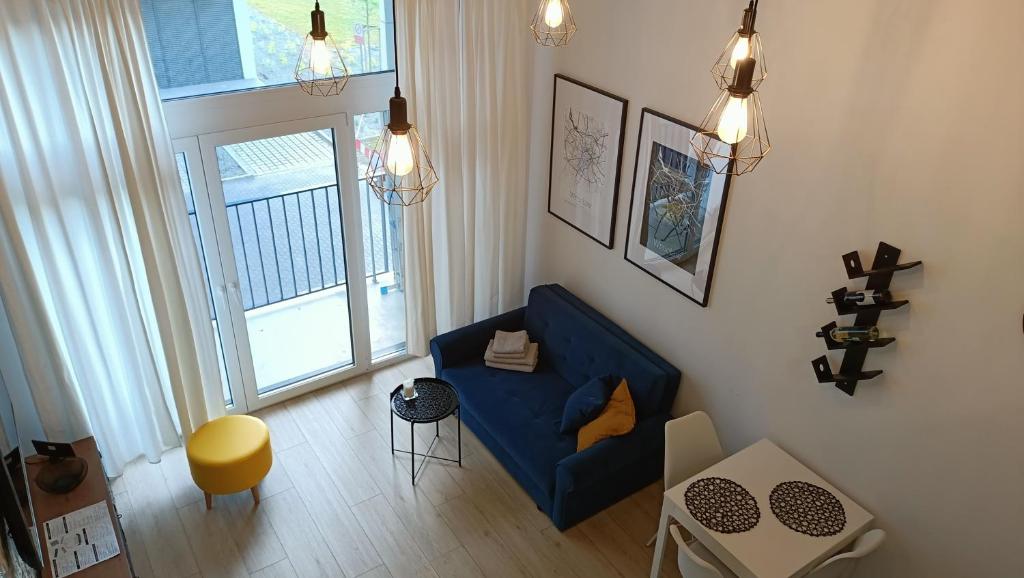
{"points": [[853, 334], [868, 297]]}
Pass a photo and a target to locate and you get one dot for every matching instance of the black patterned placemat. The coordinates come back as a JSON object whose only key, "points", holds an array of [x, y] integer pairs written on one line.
{"points": [[809, 509], [722, 505]]}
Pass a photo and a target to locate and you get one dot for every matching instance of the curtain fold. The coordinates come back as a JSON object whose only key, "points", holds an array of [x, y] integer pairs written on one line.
{"points": [[463, 68], [115, 342]]}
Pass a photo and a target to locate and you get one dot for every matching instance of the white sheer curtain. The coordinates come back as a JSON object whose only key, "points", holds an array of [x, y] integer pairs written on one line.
{"points": [[114, 342], [463, 67]]}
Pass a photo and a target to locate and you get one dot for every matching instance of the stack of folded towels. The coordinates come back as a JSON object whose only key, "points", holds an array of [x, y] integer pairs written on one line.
{"points": [[512, 351]]}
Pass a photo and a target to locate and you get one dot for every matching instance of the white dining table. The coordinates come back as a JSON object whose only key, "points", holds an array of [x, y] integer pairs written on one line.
{"points": [[770, 549]]}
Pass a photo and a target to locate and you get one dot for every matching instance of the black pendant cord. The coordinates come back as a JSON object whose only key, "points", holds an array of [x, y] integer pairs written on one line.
{"points": [[394, 38]]}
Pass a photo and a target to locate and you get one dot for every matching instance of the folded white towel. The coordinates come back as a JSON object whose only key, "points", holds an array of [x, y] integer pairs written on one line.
{"points": [[512, 367], [528, 359], [505, 342], [490, 354]]}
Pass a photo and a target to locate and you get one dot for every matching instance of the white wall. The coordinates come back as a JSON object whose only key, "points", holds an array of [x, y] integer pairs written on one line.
{"points": [[896, 121]]}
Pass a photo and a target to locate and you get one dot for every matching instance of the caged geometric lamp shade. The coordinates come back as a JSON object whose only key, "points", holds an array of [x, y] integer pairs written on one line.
{"points": [[553, 24], [400, 171], [745, 43], [320, 70], [737, 120]]}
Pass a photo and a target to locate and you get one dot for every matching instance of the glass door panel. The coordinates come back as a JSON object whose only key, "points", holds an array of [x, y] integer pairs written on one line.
{"points": [[272, 218], [382, 250], [186, 153], [282, 216]]}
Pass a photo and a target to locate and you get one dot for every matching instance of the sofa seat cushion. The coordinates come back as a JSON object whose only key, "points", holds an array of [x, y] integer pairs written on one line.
{"points": [[521, 411]]}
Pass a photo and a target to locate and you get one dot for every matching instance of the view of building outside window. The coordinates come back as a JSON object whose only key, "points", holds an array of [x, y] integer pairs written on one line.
{"points": [[209, 46]]}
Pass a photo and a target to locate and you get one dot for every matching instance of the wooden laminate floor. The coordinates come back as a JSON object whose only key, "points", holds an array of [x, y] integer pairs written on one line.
{"points": [[338, 504]]}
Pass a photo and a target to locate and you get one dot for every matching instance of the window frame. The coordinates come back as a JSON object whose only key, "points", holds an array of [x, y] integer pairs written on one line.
{"points": [[252, 111], [240, 13], [198, 115]]}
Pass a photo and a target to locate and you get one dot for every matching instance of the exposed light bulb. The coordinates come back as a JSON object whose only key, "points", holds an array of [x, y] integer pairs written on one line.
{"points": [[400, 161], [553, 14], [741, 51], [320, 58], [732, 126]]}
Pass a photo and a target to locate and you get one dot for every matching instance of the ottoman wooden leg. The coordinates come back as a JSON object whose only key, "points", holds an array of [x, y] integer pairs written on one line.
{"points": [[255, 494], [209, 500]]}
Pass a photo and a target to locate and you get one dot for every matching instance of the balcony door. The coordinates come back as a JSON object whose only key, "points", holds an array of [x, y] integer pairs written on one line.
{"points": [[303, 268]]}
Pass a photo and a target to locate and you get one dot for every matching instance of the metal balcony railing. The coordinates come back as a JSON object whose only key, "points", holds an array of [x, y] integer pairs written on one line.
{"points": [[292, 244]]}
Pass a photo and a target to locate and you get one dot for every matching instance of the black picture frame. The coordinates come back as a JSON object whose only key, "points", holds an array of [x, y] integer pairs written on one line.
{"points": [[720, 225], [618, 158]]}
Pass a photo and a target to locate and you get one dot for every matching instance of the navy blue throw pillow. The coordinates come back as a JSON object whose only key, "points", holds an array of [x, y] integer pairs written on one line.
{"points": [[586, 403]]}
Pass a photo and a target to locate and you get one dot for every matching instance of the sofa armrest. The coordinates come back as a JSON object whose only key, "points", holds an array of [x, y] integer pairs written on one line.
{"points": [[594, 463], [470, 342]]}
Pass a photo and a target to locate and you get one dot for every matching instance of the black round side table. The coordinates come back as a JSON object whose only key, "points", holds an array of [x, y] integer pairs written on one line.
{"points": [[435, 400]]}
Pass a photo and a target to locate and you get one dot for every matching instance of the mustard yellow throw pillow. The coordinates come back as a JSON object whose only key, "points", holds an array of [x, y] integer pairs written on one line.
{"points": [[618, 418]]}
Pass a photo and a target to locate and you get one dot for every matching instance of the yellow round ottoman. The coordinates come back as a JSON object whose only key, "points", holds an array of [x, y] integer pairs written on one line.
{"points": [[230, 454]]}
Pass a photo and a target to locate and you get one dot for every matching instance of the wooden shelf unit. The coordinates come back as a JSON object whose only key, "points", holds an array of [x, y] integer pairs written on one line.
{"points": [[92, 490]]}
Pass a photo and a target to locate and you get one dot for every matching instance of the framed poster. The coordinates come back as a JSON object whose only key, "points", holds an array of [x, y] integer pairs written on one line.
{"points": [[677, 207], [588, 126]]}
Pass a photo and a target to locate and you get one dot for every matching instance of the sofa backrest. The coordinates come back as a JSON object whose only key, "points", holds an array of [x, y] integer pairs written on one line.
{"points": [[676, 376], [581, 344]]}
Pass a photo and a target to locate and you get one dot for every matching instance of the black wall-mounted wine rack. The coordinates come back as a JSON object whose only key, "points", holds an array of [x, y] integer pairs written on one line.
{"points": [[879, 277]]}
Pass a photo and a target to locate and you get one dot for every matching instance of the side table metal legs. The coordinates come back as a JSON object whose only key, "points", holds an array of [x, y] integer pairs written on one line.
{"points": [[437, 436]]}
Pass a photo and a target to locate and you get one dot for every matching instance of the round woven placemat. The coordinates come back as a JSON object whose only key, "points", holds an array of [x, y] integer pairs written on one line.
{"points": [[722, 505], [809, 509]]}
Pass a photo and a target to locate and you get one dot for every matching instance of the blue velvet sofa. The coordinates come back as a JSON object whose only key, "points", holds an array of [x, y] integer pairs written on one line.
{"points": [[518, 415]]}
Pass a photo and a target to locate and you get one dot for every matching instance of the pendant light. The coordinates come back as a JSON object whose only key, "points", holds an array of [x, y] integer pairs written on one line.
{"points": [[320, 70], [733, 138], [553, 24], [400, 172], [745, 43]]}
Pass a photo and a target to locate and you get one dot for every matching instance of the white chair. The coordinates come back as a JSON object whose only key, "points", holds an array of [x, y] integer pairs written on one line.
{"points": [[691, 446], [842, 565], [695, 561]]}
